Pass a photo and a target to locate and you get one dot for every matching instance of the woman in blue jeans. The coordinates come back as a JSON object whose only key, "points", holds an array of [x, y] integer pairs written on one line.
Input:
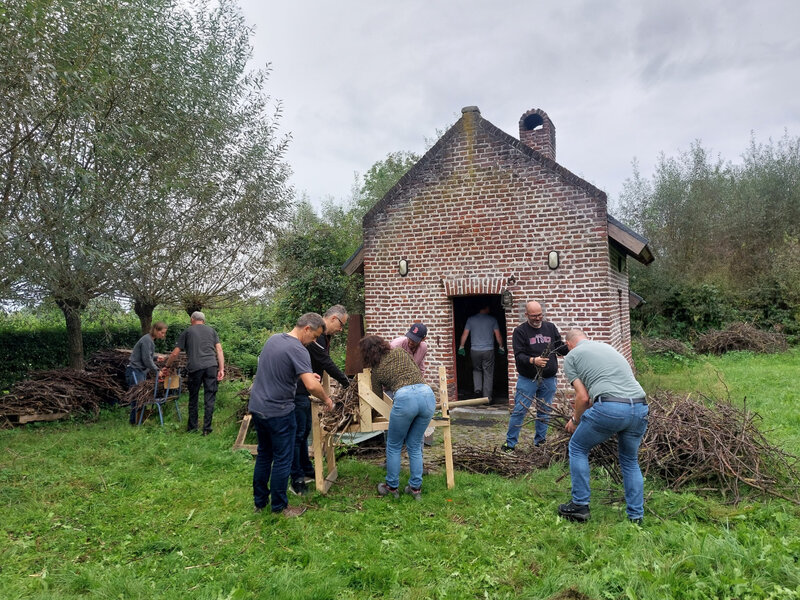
{"points": [[394, 370]]}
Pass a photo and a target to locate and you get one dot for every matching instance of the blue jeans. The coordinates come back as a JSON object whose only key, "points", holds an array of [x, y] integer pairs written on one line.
{"points": [[600, 422], [274, 459], [134, 377], [411, 414], [301, 463], [527, 391]]}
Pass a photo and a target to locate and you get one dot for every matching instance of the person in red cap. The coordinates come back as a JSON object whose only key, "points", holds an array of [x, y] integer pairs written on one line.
{"points": [[413, 342]]}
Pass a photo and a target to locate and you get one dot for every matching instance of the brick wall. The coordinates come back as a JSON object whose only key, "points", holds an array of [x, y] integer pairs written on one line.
{"points": [[478, 208]]}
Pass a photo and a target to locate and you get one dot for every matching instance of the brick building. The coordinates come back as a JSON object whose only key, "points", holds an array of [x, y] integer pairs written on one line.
{"points": [[487, 218]]}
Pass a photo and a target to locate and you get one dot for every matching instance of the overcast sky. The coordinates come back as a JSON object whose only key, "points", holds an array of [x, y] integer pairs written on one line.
{"points": [[620, 79]]}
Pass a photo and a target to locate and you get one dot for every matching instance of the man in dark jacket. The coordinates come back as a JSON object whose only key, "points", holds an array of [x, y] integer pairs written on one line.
{"points": [[536, 343], [335, 319]]}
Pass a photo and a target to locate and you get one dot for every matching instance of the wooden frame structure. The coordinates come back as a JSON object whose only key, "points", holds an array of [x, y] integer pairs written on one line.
{"points": [[373, 415]]}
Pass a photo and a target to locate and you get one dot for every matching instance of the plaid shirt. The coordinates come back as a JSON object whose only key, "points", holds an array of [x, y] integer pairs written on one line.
{"points": [[396, 370]]}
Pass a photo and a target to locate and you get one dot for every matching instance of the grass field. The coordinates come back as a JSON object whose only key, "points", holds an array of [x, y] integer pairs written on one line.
{"points": [[103, 510]]}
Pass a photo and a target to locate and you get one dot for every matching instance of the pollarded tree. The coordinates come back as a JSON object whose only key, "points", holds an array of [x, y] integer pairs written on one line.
{"points": [[202, 227]]}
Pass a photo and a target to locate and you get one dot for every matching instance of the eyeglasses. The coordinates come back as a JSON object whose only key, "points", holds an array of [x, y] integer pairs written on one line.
{"points": [[340, 321]]}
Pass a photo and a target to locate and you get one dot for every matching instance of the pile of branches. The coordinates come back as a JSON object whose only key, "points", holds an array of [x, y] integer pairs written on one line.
{"points": [[345, 410], [110, 362], [740, 336], [61, 391], [665, 346], [707, 444]]}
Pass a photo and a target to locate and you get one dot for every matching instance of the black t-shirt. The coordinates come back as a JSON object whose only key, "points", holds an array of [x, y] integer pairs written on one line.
{"points": [[530, 342]]}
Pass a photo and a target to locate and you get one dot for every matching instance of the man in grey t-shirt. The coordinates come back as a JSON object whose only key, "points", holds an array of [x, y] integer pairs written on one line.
{"points": [[205, 368], [484, 330], [608, 401], [283, 360]]}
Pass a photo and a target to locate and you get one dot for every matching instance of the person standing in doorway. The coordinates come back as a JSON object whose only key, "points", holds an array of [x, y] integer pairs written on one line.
{"points": [[205, 367], [536, 343], [484, 330]]}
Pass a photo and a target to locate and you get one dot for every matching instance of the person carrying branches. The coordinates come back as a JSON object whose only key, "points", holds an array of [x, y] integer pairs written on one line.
{"points": [[536, 343]]}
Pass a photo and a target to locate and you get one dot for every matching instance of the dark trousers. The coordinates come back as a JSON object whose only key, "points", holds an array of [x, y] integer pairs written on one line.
{"points": [[274, 460], [208, 379], [301, 463]]}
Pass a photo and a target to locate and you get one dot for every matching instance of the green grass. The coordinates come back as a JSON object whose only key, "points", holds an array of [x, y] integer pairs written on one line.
{"points": [[104, 510]]}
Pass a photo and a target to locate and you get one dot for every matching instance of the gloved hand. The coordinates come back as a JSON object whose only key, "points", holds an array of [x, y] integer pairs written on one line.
{"points": [[461, 352], [501, 350]]}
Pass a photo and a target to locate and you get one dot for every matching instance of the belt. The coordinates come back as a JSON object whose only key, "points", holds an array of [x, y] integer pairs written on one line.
{"points": [[602, 399]]}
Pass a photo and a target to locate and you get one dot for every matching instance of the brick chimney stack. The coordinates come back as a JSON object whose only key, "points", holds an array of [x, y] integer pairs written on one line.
{"points": [[537, 131]]}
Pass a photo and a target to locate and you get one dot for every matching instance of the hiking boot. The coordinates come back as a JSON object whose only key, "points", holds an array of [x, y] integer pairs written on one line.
{"points": [[506, 448], [416, 494], [293, 511], [384, 489], [574, 512]]}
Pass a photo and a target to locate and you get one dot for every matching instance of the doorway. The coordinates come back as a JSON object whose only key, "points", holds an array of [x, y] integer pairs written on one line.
{"points": [[463, 308]]}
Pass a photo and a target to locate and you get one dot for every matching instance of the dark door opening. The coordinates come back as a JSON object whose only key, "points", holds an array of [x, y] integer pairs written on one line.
{"points": [[463, 308]]}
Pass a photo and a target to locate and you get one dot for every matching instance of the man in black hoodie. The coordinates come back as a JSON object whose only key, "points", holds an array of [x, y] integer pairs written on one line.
{"points": [[335, 319], [536, 343]]}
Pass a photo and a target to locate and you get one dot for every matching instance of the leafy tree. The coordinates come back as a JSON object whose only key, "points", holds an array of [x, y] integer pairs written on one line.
{"points": [[725, 237], [119, 120]]}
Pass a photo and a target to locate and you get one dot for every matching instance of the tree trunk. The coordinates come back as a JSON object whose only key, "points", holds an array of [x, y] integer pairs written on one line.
{"points": [[145, 313], [72, 314], [191, 306]]}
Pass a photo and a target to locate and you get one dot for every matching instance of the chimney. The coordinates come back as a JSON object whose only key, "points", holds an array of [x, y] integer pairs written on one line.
{"points": [[537, 131]]}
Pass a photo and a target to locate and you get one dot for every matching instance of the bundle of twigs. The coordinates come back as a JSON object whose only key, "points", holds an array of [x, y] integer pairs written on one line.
{"points": [[665, 346], [708, 444], [740, 336], [345, 410], [110, 362], [139, 394], [61, 391]]}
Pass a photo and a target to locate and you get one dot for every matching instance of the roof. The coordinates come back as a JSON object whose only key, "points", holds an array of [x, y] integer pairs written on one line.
{"points": [[630, 242], [480, 123]]}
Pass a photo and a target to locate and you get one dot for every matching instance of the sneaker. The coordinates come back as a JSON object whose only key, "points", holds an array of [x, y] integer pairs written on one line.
{"points": [[293, 511], [574, 512], [384, 489], [258, 509], [506, 448], [299, 487], [638, 521], [417, 494]]}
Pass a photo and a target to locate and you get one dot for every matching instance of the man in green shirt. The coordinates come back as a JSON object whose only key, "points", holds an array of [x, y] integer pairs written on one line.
{"points": [[608, 401]]}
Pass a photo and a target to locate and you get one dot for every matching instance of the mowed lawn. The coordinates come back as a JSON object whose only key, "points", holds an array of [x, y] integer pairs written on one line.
{"points": [[104, 510]]}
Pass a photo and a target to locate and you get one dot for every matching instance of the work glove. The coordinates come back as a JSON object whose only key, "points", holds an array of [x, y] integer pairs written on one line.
{"points": [[461, 352]]}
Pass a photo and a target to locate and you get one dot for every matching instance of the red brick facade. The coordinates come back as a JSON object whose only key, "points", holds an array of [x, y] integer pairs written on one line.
{"points": [[479, 214]]}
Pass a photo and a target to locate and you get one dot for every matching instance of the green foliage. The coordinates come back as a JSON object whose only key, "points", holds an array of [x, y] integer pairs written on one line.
{"points": [[36, 340], [118, 512], [725, 239]]}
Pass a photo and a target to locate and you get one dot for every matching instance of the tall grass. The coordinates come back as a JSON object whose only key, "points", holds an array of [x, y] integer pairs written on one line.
{"points": [[104, 510]]}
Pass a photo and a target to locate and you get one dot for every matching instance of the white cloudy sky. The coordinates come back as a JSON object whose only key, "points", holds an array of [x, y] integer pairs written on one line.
{"points": [[620, 79]]}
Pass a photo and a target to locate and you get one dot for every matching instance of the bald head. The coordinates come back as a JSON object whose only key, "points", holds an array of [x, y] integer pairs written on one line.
{"points": [[573, 336], [533, 312]]}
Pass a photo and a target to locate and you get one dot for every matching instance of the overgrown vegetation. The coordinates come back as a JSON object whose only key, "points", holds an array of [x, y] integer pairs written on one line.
{"points": [[106, 510], [725, 238]]}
